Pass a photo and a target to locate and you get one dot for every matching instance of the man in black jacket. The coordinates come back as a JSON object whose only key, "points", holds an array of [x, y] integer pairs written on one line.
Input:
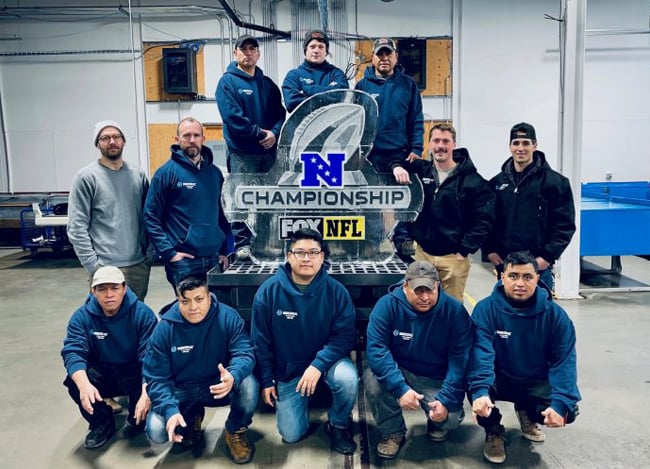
{"points": [[534, 206], [457, 214]]}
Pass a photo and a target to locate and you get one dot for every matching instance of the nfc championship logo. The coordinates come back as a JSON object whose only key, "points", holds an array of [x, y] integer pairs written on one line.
{"points": [[314, 167]]}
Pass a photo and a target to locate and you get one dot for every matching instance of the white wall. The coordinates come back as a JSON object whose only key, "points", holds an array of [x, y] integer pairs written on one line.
{"points": [[508, 72]]}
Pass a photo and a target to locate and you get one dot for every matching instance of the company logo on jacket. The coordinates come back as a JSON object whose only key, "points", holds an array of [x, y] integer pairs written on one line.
{"points": [[307, 81], [405, 336], [287, 314], [182, 348], [502, 187], [246, 91], [503, 334], [99, 335]]}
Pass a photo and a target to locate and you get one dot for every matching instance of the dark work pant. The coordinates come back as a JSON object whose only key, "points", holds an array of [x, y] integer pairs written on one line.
{"points": [[197, 267], [110, 380]]}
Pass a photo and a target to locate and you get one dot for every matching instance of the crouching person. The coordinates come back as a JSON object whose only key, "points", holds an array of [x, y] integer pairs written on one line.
{"points": [[103, 352], [418, 346], [200, 355], [524, 352]]}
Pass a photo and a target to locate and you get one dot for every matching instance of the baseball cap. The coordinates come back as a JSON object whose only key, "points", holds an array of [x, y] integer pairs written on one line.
{"points": [[318, 35], [383, 43], [101, 125], [421, 274], [241, 40], [107, 274], [522, 130]]}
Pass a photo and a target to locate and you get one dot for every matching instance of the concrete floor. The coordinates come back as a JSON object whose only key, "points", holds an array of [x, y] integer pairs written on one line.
{"points": [[42, 427]]}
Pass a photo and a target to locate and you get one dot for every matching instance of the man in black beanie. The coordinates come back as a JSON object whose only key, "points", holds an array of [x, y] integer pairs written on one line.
{"points": [[314, 75]]}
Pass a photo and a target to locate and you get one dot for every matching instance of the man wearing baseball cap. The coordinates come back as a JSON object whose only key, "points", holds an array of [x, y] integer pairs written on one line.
{"points": [[418, 345], [534, 206], [103, 353], [400, 128], [315, 74], [105, 211]]}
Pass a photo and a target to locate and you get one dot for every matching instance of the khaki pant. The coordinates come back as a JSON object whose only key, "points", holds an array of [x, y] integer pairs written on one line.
{"points": [[453, 272]]}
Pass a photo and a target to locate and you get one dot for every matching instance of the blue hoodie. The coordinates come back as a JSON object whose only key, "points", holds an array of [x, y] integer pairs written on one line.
{"points": [[309, 79], [292, 329], [247, 105], [400, 127], [96, 339], [185, 355], [183, 209], [536, 343], [435, 344]]}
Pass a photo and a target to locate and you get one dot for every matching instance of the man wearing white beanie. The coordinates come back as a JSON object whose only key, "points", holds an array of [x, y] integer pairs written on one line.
{"points": [[105, 224]]}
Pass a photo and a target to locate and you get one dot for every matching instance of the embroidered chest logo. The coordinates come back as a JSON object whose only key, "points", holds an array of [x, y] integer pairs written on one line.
{"points": [[182, 348], [405, 336], [100, 335], [503, 334], [287, 314]]}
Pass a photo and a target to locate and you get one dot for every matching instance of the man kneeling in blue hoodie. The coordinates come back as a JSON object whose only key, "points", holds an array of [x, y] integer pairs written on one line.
{"points": [[419, 341], [103, 352], [200, 355]]}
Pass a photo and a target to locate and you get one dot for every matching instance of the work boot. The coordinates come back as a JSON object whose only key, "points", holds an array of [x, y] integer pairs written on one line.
{"points": [[389, 446], [115, 406], [340, 439], [434, 433], [99, 435], [529, 429], [494, 449], [241, 450]]}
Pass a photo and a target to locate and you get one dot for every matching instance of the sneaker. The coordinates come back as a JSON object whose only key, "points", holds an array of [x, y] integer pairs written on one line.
{"points": [[243, 252], [99, 436], [529, 429], [434, 433], [241, 450], [389, 446], [494, 449], [340, 439], [115, 406]]}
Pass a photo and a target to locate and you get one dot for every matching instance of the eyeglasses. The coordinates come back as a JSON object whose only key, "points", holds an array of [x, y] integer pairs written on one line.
{"points": [[108, 138], [444, 141], [312, 254]]}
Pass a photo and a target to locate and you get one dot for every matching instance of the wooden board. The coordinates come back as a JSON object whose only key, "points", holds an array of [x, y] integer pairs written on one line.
{"points": [[153, 74]]}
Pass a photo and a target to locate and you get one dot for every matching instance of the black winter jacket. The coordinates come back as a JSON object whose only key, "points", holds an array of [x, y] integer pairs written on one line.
{"points": [[457, 215], [537, 214]]}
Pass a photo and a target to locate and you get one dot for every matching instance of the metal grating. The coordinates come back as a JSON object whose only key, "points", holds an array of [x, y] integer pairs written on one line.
{"points": [[336, 268]]}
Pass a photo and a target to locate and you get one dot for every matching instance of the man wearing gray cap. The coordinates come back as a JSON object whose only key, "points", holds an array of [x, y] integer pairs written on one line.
{"points": [[103, 353], [105, 223], [418, 345]]}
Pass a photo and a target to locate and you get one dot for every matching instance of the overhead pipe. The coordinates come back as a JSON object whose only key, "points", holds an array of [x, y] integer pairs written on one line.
{"points": [[255, 27]]}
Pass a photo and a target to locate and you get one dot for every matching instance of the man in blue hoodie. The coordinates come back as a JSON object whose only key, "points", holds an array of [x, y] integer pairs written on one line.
{"points": [[418, 346], [303, 328], [183, 214], [103, 353], [200, 355], [524, 352], [400, 128], [315, 74], [251, 110]]}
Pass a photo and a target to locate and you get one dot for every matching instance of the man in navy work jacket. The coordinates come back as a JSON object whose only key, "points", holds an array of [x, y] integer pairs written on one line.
{"points": [[524, 352], [183, 214], [103, 352], [418, 346], [303, 328], [200, 355]]}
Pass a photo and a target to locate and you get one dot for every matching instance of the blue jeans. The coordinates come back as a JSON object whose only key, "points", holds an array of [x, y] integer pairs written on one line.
{"points": [[387, 411], [199, 267], [292, 410], [191, 402]]}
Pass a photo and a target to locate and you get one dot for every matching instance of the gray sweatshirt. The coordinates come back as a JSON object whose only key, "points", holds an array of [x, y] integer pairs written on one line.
{"points": [[105, 224]]}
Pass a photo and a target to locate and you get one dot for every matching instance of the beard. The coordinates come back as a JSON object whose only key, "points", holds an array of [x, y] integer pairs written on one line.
{"points": [[111, 153], [191, 152]]}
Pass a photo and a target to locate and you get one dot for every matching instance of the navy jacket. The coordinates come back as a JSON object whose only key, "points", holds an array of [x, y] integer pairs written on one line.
{"points": [[309, 79], [96, 339], [537, 214], [531, 344], [183, 209], [248, 104], [400, 127], [292, 329], [435, 344], [184, 355], [457, 215]]}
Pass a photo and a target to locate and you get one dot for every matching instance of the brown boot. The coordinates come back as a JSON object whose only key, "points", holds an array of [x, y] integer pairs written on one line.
{"points": [[529, 429], [494, 449], [241, 450]]}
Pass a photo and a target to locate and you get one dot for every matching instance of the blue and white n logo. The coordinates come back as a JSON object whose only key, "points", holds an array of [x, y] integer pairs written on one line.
{"points": [[314, 167]]}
